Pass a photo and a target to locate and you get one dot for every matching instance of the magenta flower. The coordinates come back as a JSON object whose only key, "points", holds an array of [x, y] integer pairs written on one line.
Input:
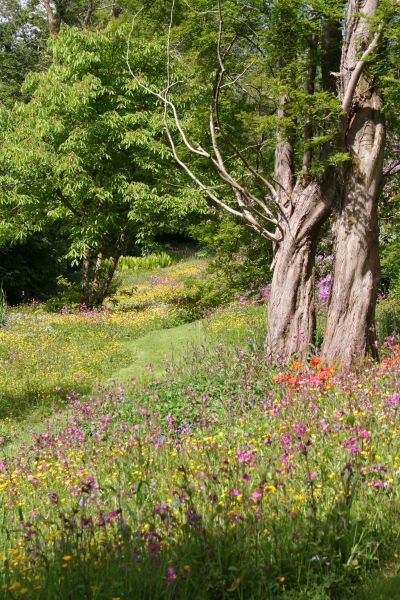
{"points": [[170, 574]]}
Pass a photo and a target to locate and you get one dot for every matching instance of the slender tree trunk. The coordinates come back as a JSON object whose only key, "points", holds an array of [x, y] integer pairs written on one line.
{"points": [[97, 272], [123, 238], [291, 307], [85, 278], [88, 13], [50, 17], [356, 272]]}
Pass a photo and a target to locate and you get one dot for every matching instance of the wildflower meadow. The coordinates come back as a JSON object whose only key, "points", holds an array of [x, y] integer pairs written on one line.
{"points": [[224, 478]]}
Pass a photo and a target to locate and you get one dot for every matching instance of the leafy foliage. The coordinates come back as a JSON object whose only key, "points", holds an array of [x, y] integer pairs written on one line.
{"points": [[88, 148], [23, 33], [239, 264], [143, 263], [30, 270]]}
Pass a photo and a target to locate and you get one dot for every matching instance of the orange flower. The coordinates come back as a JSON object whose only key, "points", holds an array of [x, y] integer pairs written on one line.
{"points": [[296, 366], [281, 377], [315, 361]]}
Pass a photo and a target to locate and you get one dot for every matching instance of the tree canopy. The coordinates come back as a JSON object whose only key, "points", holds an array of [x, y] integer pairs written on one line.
{"points": [[88, 149]]}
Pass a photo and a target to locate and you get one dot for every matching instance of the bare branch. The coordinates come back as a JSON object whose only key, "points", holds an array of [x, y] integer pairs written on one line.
{"points": [[239, 153], [196, 12], [238, 191], [158, 95], [358, 69], [237, 78]]}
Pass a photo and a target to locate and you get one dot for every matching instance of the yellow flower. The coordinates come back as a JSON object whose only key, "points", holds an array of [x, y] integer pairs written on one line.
{"points": [[396, 555], [94, 588], [14, 586], [23, 591], [282, 579], [186, 568], [67, 557], [4, 586]]}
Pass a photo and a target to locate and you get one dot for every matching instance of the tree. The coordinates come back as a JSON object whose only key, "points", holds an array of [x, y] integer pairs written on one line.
{"points": [[321, 94], [22, 46], [75, 13], [356, 272], [88, 151]]}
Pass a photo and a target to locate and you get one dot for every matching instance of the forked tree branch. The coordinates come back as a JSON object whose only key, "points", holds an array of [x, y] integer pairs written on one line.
{"points": [[245, 201]]}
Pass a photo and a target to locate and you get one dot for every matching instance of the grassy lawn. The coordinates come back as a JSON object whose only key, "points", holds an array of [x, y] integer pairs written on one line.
{"points": [[153, 352]]}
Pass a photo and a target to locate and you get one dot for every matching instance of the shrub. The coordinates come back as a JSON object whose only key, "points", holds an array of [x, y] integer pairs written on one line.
{"points": [[138, 264]]}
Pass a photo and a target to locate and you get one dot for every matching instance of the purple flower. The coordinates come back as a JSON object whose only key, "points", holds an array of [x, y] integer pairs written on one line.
{"points": [[170, 574]]}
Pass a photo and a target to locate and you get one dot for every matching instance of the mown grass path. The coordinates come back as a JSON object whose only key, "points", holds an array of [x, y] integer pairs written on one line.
{"points": [[155, 351]]}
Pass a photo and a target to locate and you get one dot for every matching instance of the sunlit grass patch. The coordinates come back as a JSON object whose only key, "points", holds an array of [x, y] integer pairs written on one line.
{"points": [[239, 321], [44, 355]]}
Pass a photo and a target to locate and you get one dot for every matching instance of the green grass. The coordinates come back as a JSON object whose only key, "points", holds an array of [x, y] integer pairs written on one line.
{"points": [[190, 466], [387, 588], [151, 350], [45, 355]]}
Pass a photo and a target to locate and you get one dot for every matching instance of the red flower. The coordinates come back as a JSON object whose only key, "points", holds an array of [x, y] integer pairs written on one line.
{"points": [[315, 361]]}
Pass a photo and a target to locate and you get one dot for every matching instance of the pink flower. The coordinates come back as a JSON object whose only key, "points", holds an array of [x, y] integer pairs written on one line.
{"points": [[170, 574]]}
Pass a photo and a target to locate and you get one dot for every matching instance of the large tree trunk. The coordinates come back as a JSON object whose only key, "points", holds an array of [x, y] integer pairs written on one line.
{"points": [[351, 310], [305, 207], [291, 307]]}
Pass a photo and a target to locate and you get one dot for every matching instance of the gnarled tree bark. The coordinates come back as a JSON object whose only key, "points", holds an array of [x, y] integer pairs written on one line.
{"points": [[305, 207], [291, 307], [351, 310]]}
